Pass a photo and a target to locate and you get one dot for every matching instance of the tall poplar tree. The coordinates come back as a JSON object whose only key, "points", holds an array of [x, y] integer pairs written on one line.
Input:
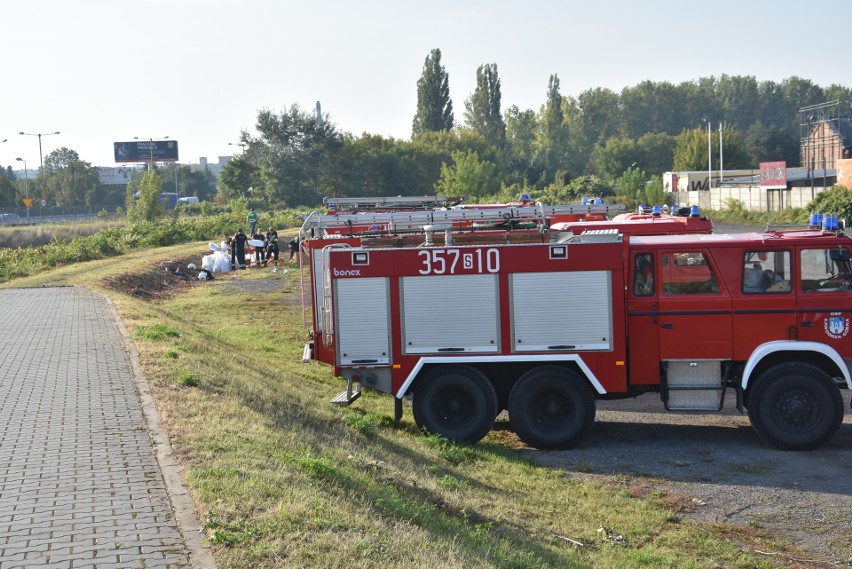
{"points": [[434, 107], [482, 109], [553, 143]]}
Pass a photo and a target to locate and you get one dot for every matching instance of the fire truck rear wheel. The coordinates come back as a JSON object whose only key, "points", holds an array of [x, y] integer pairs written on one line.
{"points": [[551, 407], [457, 402], [795, 406]]}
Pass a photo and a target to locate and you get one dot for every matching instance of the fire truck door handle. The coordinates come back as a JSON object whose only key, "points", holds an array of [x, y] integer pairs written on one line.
{"points": [[668, 326], [807, 324], [654, 312]]}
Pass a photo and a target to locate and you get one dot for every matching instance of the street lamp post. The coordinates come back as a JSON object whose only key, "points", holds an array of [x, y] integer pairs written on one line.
{"points": [[26, 184], [709, 156], [151, 150], [39, 135], [710, 151], [721, 157]]}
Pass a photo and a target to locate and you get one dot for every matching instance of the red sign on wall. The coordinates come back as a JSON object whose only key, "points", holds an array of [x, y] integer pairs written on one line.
{"points": [[773, 175]]}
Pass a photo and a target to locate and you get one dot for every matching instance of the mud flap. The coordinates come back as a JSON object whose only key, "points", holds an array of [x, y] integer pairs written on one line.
{"points": [[397, 411]]}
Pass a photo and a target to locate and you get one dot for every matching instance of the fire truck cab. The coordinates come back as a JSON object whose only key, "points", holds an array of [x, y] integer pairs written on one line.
{"points": [[543, 330], [766, 315]]}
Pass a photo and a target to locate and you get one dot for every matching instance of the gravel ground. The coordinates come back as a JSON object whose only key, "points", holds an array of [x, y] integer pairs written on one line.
{"points": [[720, 468], [723, 471]]}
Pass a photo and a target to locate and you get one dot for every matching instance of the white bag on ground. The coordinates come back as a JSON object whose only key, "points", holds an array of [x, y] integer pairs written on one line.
{"points": [[217, 262]]}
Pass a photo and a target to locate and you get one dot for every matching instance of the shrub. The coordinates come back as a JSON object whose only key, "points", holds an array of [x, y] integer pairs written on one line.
{"points": [[836, 201], [188, 380]]}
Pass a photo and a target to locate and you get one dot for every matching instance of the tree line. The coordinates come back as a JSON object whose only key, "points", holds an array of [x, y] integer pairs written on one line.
{"points": [[600, 142]]}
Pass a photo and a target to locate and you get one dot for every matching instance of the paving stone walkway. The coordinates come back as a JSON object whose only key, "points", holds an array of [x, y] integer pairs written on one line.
{"points": [[80, 485]]}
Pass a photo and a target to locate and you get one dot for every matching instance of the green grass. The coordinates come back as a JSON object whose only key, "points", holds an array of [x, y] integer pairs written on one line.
{"points": [[156, 332], [189, 380], [282, 478]]}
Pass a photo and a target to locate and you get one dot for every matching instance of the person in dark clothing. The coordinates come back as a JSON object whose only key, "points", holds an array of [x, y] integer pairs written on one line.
{"points": [[294, 247], [240, 239], [259, 252], [272, 245], [229, 243]]}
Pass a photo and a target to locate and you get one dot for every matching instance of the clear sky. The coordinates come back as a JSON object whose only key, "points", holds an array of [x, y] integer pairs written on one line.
{"points": [[198, 71]]}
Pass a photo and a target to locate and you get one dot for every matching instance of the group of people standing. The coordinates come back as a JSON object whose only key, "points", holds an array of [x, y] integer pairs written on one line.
{"points": [[263, 253]]}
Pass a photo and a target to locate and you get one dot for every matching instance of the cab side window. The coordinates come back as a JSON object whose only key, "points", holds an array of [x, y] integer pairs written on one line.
{"points": [[688, 273], [766, 272], [643, 275], [826, 270]]}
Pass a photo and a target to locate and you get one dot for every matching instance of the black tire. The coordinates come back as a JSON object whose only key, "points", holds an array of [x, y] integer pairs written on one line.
{"points": [[456, 402], [551, 407], [795, 406]]}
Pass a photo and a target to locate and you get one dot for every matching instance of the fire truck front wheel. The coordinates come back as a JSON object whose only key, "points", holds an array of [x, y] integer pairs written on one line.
{"points": [[457, 402], [551, 407], [795, 406]]}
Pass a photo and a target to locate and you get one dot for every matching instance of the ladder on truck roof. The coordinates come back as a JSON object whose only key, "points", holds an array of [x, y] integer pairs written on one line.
{"points": [[407, 220], [385, 202]]}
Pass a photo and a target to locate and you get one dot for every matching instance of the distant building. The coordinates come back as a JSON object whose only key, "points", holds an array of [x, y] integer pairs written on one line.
{"points": [[25, 174], [826, 141], [213, 168]]}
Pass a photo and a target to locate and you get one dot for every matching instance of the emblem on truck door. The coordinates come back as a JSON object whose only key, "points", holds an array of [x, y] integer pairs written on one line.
{"points": [[836, 326]]}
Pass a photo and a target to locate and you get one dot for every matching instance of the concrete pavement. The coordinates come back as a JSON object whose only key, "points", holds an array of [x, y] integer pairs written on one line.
{"points": [[81, 482]]}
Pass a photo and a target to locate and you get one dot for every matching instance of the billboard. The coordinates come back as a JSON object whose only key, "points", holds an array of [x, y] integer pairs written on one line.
{"points": [[146, 151], [773, 175], [114, 176]]}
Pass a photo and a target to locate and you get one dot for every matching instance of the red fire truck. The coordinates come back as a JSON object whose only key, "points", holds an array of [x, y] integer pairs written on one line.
{"points": [[543, 330]]}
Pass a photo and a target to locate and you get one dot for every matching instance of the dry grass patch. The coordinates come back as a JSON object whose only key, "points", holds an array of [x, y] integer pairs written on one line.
{"points": [[37, 235]]}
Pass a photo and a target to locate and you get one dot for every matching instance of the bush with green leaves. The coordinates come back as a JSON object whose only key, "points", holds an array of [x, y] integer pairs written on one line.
{"points": [[837, 201], [735, 212]]}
